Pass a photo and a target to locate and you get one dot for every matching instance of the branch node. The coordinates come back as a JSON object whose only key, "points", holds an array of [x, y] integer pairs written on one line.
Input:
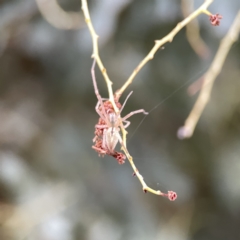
{"points": [[87, 20]]}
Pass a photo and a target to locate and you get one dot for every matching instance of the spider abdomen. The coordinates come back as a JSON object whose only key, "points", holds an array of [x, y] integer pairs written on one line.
{"points": [[110, 138]]}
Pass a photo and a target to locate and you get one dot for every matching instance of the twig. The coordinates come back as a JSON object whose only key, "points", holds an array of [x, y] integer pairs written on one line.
{"points": [[96, 53], [171, 195], [187, 130], [159, 43]]}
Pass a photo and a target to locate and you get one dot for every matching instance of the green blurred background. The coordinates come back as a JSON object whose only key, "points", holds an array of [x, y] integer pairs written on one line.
{"points": [[53, 186]]}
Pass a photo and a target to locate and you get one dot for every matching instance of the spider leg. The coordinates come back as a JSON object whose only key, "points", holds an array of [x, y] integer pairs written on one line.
{"points": [[101, 126], [98, 111], [127, 123], [95, 82], [100, 150], [134, 112], [126, 101], [100, 101]]}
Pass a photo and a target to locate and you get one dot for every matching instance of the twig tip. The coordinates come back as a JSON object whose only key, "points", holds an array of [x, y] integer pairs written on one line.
{"points": [[184, 132]]}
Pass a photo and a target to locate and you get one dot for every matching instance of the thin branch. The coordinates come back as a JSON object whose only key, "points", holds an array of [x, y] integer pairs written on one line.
{"points": [[187, 130], [159, 43], [96, 52], [170, 195]]}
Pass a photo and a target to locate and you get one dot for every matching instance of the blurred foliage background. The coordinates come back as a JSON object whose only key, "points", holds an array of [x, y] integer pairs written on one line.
{"points": [[53, 186]]}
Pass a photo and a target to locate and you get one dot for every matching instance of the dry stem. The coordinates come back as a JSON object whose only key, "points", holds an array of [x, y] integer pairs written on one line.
{"points": [[145, 187], [96, 52], [159, 43], [187, 130]]}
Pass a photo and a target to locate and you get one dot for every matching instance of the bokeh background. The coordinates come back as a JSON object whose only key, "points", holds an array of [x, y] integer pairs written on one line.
{"points": [[53, 186]]}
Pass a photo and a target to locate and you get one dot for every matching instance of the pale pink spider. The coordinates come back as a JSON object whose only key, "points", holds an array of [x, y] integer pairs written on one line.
{"points": [[108, 127]]}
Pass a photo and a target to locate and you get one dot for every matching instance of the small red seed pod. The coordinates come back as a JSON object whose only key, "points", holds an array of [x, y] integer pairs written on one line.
{"points": [[215, 19], [172, 196]]}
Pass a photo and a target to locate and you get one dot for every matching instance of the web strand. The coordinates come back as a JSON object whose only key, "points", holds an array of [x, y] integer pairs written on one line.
{"points": [[197, 76]]}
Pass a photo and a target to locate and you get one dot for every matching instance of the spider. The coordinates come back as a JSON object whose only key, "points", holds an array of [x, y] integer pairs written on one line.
{"points": [[107, 130]]}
